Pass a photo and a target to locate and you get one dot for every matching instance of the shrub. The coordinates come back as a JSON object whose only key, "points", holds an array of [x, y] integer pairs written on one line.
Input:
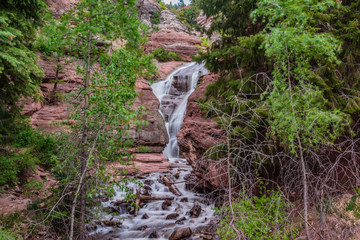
{"points": [[162, 6], [262, 217], [162, 55], [155, 18], [4, 234], [7, 171]]}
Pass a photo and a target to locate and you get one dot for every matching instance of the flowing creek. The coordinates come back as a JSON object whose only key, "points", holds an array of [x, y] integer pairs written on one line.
{"points": [[160, 218]]}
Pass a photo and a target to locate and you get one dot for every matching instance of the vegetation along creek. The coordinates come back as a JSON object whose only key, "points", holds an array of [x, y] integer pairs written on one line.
{"points": [[181, 119]]}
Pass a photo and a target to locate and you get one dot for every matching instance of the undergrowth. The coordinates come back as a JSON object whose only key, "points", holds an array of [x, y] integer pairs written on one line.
{"points": [[264, 217]]}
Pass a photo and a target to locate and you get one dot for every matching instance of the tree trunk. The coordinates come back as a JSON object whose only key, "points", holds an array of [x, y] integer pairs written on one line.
{"points": [[303, 168], [85, 153]]}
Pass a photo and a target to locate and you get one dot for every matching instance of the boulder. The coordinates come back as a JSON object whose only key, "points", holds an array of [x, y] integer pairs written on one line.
{"points": [[172, 216], [195, 211], [181, 233]]}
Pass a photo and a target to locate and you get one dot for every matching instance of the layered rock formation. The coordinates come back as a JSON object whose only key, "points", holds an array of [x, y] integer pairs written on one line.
{"points": [[170, 33], [198, 134]]}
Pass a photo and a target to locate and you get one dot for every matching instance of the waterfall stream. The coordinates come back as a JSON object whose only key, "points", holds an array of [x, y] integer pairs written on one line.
{"points": [[173, 93], [159, 219]]}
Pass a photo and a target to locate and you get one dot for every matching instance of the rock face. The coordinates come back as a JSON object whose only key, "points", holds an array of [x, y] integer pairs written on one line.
{"points": [[170, 33], [197, 135], [179, 42], [59, 7], [46, 115], [154, 135]]}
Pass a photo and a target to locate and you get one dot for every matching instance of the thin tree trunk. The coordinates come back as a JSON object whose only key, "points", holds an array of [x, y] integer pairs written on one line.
{"points": [[56, 75], [305, 185], [82, 178], [85, 154]]}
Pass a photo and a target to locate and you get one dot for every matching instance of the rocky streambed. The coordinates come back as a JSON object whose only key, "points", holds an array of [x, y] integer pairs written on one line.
{"points": [[168, 204]]}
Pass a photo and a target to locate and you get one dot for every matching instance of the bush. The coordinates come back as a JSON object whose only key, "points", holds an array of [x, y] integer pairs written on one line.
{"points": [[162, 55], [155, 18], [7, 171], [162, 6], [4, 234], [257, 218]]}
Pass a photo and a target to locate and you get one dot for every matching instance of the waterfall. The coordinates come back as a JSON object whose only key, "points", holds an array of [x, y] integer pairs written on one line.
{"points": [[153, 219], [173, 93]]}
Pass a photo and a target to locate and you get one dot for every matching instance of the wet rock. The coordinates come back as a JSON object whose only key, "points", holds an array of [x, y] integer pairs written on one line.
{"points": [[185, 199], [146, 190], [145, 216], [109, 223], [207, 236], [172, 216], [181, 220], [142, 228], [148, 182], [195, 211], [91, 227], [181, 233], [154, 234], [165, 204], [113, 209], [142, 204], [131, 210]]}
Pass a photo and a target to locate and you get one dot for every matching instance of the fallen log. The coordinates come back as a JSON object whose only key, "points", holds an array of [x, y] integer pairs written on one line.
{"points": [[171, 186], [154, 198]]}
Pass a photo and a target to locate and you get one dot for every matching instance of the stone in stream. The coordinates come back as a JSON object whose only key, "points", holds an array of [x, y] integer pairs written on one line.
{"points": [[181, 220], [142, 228], [185, 199], [145, 216], [165, 204], [181, 233], [195, 211], [154, 234], [172, 216]]}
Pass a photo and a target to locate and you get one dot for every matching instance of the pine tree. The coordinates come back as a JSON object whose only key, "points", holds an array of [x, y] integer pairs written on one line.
{"points": [[19, 73]]}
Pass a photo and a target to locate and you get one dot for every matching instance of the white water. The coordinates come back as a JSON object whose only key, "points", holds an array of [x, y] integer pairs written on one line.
{"points": [[172, 108], [189, 72]]}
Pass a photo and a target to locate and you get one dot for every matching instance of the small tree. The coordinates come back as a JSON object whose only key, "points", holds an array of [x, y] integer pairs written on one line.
{"points": [[102, 107], [300, 116]]}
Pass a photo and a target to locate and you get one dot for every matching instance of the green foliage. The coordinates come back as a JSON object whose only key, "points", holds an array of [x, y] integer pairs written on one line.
{"points": [[155, 18], [19, 73], [8, 235], [29, 147], [7, 171], [230, 18], [353, 205], [163, 56], [299, 110], [11, 226], [264, 217], [162, 6], [188, 16]]}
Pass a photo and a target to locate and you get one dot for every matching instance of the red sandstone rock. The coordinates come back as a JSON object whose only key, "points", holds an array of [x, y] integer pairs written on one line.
{"points": [[165, 68], [179, 42], [143, 163], [198, 134], [59, 7], [154, 135]]}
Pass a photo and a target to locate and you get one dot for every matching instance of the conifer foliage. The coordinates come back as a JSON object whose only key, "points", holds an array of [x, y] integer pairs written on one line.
{"points": [[19, 73]]}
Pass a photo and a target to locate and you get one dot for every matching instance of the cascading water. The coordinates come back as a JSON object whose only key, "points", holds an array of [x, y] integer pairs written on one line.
{"points": [[159, 219], [173, 93]]}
